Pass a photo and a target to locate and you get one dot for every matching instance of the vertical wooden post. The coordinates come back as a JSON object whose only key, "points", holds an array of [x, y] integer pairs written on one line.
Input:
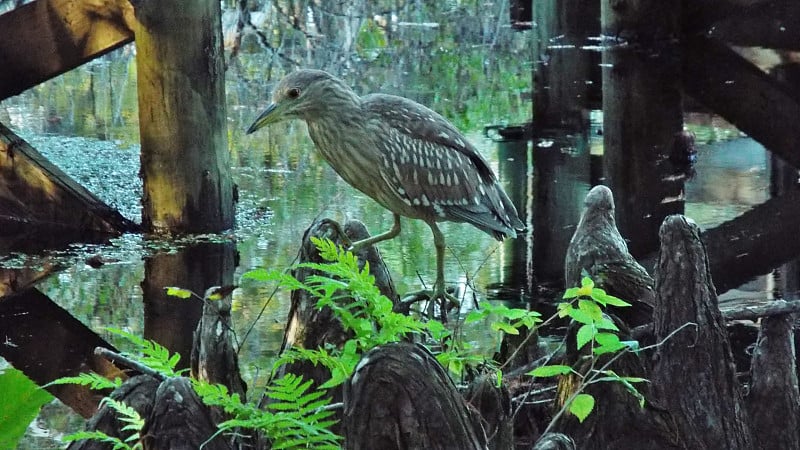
{"points": [[181, 75], [563, 92], [642, 114]]}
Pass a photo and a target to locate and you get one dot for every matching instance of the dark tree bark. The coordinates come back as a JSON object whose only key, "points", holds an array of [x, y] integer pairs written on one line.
{"points": [[554, 441], [774, 400], [179, 420], [137, 392], [311, 327], [694, 375], [494, 405], [400, 397], [214, 358]]}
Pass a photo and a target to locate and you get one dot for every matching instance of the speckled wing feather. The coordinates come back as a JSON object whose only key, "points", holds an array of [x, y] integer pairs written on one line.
{"points": [[429, 164]]}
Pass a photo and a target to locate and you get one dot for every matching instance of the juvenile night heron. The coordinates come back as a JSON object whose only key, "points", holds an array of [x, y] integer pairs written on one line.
{"points": [[403, 155]]}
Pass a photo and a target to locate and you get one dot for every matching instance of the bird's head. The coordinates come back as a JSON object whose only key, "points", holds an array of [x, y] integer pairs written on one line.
{"points": [[304, 94]]}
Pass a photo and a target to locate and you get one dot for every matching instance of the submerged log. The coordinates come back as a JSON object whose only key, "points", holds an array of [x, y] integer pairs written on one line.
{"points": [[46, 342], [400, 397], [34, 192], [773, 403], [694, 376]]}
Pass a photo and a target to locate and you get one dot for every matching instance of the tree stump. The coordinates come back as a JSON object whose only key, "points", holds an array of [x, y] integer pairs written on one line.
{"points": [[493, 404], [310, 327], [136, 392], [774, 401], [179, 420], [598, 249], [694, 375], [214, 358], [400, 397]]}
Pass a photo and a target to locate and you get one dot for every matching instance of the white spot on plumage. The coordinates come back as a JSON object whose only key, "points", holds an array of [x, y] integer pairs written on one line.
{"points": [[431, 181], [441, 179], [415, 202], [438, 209], [416, 180], [425, 201]]}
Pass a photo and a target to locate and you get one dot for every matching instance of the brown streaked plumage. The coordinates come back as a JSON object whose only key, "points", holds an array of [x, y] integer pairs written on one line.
{"points": [[403, 155]]}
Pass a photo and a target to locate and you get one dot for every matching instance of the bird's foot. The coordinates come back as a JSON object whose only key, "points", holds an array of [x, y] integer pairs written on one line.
{"points": [[441, 297]]}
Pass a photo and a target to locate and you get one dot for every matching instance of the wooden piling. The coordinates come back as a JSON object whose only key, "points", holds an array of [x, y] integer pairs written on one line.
{"points": [[643, 115], [565, 90], [185, 162]]}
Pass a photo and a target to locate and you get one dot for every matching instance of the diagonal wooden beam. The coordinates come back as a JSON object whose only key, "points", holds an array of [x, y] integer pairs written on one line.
{"points": [[45, 38], [34, 192], [758, 104]]}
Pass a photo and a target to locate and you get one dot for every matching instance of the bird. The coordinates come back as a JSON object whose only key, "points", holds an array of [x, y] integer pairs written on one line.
{"points": [[403, 155], [598, 250]]}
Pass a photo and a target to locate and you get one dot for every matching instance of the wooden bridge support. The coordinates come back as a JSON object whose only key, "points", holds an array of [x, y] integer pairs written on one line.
{"points": [[46, 38], [642, 116], [181, 83], [566, 80]]}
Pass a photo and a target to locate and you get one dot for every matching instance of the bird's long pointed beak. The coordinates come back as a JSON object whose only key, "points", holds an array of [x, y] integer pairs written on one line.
{"points": [[265, 118]]}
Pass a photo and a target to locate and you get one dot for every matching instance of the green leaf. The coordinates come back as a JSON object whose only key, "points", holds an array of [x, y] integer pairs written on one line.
{"points": [[606, 324], [581, 406], [178, 292], [504, 327], [608, 343], [476, 315], [22, 400], [571, 293], [613, 301], [585, 335], [550, 371], [581, 316], [591, 309]]}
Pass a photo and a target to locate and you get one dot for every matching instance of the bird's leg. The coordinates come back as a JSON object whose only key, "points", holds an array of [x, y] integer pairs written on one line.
{"points": [[446, 301], [358, 245]]}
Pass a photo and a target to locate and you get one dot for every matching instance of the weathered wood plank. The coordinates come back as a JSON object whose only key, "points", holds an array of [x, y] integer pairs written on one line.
{"points": [[33, 191], [738, 253], [45, 38]]}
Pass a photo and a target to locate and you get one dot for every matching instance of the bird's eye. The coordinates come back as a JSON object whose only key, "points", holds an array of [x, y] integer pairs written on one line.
{"points": [[293, 93]]}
